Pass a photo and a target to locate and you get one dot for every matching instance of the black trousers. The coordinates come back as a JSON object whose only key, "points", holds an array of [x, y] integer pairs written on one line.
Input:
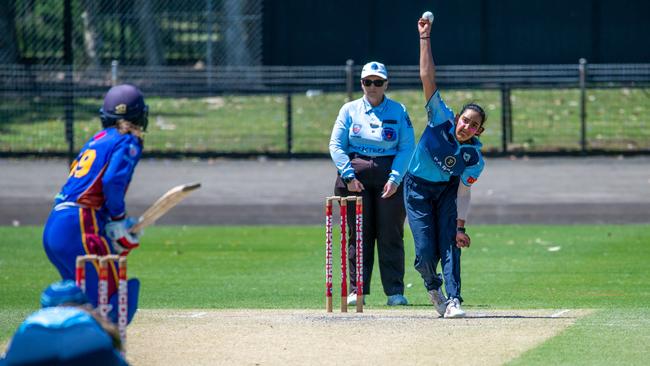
{"points": [[383, 223]]}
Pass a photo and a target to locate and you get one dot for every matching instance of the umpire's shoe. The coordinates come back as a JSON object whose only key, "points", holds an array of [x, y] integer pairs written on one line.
{"points": [[397, 300]]}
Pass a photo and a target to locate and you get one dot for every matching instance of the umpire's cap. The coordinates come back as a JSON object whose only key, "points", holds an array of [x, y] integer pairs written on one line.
{"points": [[126, 102], [63, 292], [374, 68]]}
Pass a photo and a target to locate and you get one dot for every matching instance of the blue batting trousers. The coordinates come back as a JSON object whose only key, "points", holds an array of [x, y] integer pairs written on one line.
{"points": [[74, 231], [431, 211]]}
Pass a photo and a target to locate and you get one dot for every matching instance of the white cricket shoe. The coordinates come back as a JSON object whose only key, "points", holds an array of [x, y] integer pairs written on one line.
{"points": [[438, 300], [352, 299], [453, 309]]}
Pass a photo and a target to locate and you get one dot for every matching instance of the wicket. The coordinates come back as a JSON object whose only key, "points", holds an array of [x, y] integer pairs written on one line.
{"points": [[343, 203], [102, 288]]}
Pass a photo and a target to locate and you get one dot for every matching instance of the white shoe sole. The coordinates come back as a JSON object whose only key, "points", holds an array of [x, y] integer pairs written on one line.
{"points": [[455, 315]]}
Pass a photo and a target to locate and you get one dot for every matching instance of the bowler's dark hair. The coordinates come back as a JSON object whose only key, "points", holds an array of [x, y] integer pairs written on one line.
{"points": [[476, 108]]}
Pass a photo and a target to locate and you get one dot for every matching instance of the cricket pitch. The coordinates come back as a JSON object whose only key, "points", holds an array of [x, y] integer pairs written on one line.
{"points": [[313, 337]]}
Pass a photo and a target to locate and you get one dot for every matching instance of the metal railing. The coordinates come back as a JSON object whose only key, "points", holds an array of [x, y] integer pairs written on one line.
{"points": [[183, 80], [38, 98]]}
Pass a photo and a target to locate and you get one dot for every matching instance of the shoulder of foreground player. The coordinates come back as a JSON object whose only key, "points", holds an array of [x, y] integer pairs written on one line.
{"points": [[86, 341], [58, 317]]}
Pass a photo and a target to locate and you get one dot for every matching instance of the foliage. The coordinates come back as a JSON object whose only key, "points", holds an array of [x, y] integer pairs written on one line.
{"points": [[121, 30]]}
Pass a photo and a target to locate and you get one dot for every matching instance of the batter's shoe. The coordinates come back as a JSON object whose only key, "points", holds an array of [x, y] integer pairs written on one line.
{"points": [[438, 300], [453, 309], [397, 300], [352, 299]]}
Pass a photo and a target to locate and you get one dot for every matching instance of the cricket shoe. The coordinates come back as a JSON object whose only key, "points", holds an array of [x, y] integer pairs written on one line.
{"points": [[397, 300], [438, 300], [352, 299], [453, 309]]}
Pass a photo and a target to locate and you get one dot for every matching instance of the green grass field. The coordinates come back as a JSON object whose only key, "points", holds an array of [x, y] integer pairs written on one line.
{"points": [[508, 267], [542, 120]]}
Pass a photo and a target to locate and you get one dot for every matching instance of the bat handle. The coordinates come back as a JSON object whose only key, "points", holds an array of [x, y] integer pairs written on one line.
{"points": [[137, 227]]}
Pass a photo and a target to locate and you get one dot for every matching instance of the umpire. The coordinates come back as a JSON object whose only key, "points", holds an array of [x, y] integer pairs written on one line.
{"points": [[371, 144]]}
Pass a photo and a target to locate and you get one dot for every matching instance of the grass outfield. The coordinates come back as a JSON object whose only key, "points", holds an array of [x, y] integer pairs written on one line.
{"points": [[509, 267], [542, 119]]}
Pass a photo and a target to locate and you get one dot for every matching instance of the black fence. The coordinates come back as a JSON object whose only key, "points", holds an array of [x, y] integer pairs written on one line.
{"points": [[289, 111], [316, 32], [467, 32]]}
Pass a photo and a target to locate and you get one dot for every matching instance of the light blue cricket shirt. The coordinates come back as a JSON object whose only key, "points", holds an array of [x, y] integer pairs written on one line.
{"points": [[439, 155], [384, 130]]}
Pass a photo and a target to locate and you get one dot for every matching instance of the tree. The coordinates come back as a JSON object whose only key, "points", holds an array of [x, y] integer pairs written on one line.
{"points": [[153, 46], [9, 53], [92, 38], [235, 34]]}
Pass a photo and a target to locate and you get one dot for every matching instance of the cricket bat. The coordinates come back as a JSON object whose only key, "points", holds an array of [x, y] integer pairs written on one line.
{"points": [[165, 203]]}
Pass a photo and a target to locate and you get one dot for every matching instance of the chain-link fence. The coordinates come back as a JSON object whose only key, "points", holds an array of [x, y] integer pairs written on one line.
{"points": [[289, 111], [203, 33], [199, 63]]}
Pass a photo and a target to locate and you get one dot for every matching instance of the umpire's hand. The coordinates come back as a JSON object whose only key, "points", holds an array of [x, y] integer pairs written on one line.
{"points": [[389, 189], [355, 186]]}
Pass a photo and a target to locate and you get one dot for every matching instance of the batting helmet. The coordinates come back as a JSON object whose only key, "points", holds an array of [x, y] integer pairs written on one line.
{"points": [[126, 102], [63, 292]]}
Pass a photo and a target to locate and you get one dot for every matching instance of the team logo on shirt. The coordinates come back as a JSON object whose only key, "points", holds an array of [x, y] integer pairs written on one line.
{"points": [[467, 157], [356, 128], [450, 161], [133, 150], [388, 134]]}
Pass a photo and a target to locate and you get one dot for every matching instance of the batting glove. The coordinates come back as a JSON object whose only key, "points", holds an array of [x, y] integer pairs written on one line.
{"points": [[122, 240]]}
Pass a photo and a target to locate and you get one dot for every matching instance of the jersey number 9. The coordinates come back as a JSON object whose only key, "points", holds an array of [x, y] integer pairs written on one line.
{"points": [[82, 167]]}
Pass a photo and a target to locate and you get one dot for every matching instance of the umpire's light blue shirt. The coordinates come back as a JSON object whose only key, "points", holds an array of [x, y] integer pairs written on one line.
{"points": [[384, 130], [439, 155]]}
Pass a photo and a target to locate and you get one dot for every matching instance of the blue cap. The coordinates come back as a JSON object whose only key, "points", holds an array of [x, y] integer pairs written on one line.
{"points": [[63, 292], [374, 68]]}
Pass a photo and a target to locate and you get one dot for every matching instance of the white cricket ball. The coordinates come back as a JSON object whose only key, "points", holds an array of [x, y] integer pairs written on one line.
{"points": [[428, 15]]}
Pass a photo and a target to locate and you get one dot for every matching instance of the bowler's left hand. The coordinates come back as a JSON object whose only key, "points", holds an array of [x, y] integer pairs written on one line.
{"points": [[462, 240]]}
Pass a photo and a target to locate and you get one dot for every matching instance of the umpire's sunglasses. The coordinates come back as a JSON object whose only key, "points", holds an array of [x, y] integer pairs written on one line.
{"points": [[378, 83]]}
